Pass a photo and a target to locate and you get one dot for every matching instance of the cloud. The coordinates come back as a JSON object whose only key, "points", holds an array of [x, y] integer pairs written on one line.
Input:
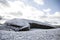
{"points": [[53, 19], [18, 9], [14, 7], [40, 2], [4, 2], [49, 15], [27, 11], [57, 14], [47, 10]]}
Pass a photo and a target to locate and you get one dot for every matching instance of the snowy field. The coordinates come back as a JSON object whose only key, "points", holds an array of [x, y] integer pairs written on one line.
{"points": [[33, 34]]}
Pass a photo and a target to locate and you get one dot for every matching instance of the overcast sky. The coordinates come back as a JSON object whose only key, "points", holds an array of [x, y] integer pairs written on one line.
{"points": [[43, 10]]}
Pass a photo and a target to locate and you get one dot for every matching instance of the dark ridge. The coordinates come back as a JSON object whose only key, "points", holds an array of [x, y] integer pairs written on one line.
{"points": [[25, 29], [15, 26], [40, 26]]}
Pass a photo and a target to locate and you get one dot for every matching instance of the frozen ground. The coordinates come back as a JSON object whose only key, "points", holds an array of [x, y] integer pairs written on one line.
{"points": [[33, 34]]}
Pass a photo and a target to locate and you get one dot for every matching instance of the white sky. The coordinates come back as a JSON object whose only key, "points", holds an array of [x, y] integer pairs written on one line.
{"points": [[16, 8]]}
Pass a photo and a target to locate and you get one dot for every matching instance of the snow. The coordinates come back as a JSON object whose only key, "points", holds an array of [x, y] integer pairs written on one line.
{"points": [[15, 24], [35, 34], [19, 24], [6, 33]]}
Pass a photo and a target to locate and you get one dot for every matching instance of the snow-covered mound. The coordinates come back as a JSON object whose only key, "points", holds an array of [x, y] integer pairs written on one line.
{"points": [[24, 25], [17, 25]]}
